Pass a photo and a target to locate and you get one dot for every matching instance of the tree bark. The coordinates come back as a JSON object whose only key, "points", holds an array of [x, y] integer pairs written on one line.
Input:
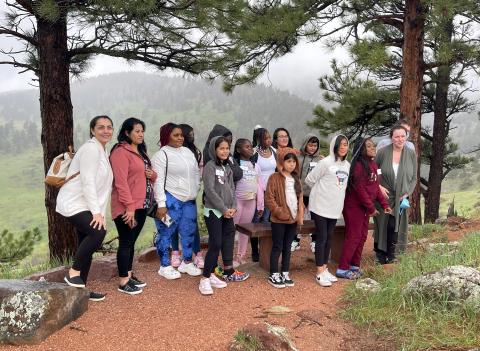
{"points": [[411, 86], [56, 112], [440, 133]]}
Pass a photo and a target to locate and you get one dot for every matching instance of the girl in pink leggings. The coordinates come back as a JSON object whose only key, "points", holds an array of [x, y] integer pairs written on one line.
{"points": [[248, 192]]}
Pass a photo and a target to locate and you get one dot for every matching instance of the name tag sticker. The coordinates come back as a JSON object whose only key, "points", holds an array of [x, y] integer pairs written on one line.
{"points": [[313, 164], [219, 172], [245, 168], [379, 171]]}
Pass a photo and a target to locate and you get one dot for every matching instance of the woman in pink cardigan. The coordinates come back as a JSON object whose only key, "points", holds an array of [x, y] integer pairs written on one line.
{"points": [[132, 195]]}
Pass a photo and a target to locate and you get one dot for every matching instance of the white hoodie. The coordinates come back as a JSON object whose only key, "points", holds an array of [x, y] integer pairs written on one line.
{"points": [[328, 181]]}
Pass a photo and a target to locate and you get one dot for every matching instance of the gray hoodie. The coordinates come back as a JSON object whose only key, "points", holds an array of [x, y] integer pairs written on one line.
{"points": [[219, 189], [328, 181], [307, 162]]}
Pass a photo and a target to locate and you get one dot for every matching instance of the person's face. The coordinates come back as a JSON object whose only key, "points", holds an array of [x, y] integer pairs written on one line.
{"points": [[176, 138], [311, 148], [190, 137], [370, 147], [399, 137], [103, 130], [267, 140], [245, 150], [343, 148], [282, 138], [407, 127], [223, 150], [136, 135], [289, 165]]}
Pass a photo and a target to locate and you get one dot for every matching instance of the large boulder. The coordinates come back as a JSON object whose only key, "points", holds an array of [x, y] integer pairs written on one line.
{"points": [[30, 311], [459, 284]]}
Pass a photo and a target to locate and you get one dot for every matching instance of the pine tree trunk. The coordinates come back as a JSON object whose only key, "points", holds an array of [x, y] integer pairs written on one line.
{"points": [[440, 133], [57, 123], [411, 85]]}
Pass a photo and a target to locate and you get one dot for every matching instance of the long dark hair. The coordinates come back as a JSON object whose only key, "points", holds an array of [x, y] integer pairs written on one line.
{"points": [[294, 174], [127, 127], [275, 137], [218, 141], [359, 155], [94, 121], [336, 147], [190, 144], [259, 137]]}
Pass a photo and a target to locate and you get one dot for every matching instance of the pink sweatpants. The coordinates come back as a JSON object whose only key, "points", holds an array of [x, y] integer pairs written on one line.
{"points": [[244, 214]]}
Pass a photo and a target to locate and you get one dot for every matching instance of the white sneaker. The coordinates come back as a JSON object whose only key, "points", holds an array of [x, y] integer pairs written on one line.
{"points": [[205, 287], [190, 269], [169, 272], [217, 283], [312, 246], [330, 276], [295, 246], [323, 280]]}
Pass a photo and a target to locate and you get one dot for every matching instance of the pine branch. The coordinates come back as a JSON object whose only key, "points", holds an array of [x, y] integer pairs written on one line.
{"points": [[18, 35]]}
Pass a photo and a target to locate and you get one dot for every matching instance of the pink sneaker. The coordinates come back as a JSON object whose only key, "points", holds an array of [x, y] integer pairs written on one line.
{"points": [[199, 260], [176, 259]]}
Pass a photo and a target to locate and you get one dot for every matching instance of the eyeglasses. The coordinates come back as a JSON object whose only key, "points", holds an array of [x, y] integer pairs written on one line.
{"points": [[282, 137]]}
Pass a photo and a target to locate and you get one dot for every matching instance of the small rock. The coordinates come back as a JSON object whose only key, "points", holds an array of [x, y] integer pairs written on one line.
{"points": [[368, 285], [460, 284], [263, 336], [450, 245], [148, 255], [30, 311], [278, 310]]}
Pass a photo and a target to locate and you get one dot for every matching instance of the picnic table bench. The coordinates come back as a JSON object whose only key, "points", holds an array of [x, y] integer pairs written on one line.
{"points": [[263, 232]]}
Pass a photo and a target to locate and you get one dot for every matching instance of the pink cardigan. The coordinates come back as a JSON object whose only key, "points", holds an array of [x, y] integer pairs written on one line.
{"points": [[129, 181]]}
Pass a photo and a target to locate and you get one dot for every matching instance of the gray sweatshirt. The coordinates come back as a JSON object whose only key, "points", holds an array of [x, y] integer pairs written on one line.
{"points": [[219, 189]]}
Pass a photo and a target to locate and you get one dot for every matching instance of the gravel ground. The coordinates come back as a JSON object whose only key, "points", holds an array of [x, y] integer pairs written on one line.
{"points": [[173, 315]]}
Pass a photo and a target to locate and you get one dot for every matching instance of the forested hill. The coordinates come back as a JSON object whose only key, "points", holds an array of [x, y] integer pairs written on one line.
{"points": [[157, 99]]}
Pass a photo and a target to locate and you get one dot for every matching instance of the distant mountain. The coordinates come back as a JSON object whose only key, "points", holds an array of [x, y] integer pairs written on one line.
{"points": [[157, 99]]}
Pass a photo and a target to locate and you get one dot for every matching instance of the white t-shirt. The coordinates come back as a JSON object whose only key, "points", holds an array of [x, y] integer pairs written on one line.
{"points": [[291, 196], [267, 168]]}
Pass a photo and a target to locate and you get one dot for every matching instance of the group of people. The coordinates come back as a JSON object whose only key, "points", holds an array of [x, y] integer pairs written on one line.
{"points": [[264, 179]]}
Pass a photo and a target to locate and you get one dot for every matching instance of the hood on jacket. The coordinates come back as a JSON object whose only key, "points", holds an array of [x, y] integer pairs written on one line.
{"points": [[281, 153], [211, 149], [308, 137], [332, 144], [218, 130]]}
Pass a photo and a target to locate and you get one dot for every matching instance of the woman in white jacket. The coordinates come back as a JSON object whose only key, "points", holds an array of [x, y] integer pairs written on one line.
{"points": [[328, 181], [84, 198]]}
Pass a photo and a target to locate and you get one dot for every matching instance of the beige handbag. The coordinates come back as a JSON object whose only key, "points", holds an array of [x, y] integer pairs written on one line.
{"points": [[57, 173]]}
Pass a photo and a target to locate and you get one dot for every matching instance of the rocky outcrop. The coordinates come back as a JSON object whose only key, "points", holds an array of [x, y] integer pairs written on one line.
{"points": [[368, 285], [459, 284], [262, 337], [30, 311]]}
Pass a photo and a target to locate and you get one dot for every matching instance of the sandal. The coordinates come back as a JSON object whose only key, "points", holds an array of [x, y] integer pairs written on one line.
{"points": [[348, 274]]}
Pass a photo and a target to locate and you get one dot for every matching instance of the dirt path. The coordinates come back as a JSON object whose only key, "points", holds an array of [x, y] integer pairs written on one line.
{"points": [[172, 315]]}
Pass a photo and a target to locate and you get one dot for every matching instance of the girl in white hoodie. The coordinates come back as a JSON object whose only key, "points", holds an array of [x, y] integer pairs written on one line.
{"points": [[328, 181]]}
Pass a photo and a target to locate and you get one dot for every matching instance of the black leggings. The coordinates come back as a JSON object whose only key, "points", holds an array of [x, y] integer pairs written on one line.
{"points": [[324, 228], [282, 237], [89, 240], [126, 241], [392, 239], [221, 236]]}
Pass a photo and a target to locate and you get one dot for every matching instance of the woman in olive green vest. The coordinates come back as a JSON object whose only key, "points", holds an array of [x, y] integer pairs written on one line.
{"points": [[397, 166]]}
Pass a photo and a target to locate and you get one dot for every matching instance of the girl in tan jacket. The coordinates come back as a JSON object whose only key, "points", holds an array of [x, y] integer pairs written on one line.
{"points": [[284, 198]]}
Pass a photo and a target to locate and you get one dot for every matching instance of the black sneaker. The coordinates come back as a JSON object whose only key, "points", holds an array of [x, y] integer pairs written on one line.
{"points": [[76, 282], [287, 280], [129, 289], [276, 280], [96, 296], [136, 282]]}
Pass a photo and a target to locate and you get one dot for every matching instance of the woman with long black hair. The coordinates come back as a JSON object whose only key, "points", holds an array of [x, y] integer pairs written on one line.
{"points": [[132, 195]]}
